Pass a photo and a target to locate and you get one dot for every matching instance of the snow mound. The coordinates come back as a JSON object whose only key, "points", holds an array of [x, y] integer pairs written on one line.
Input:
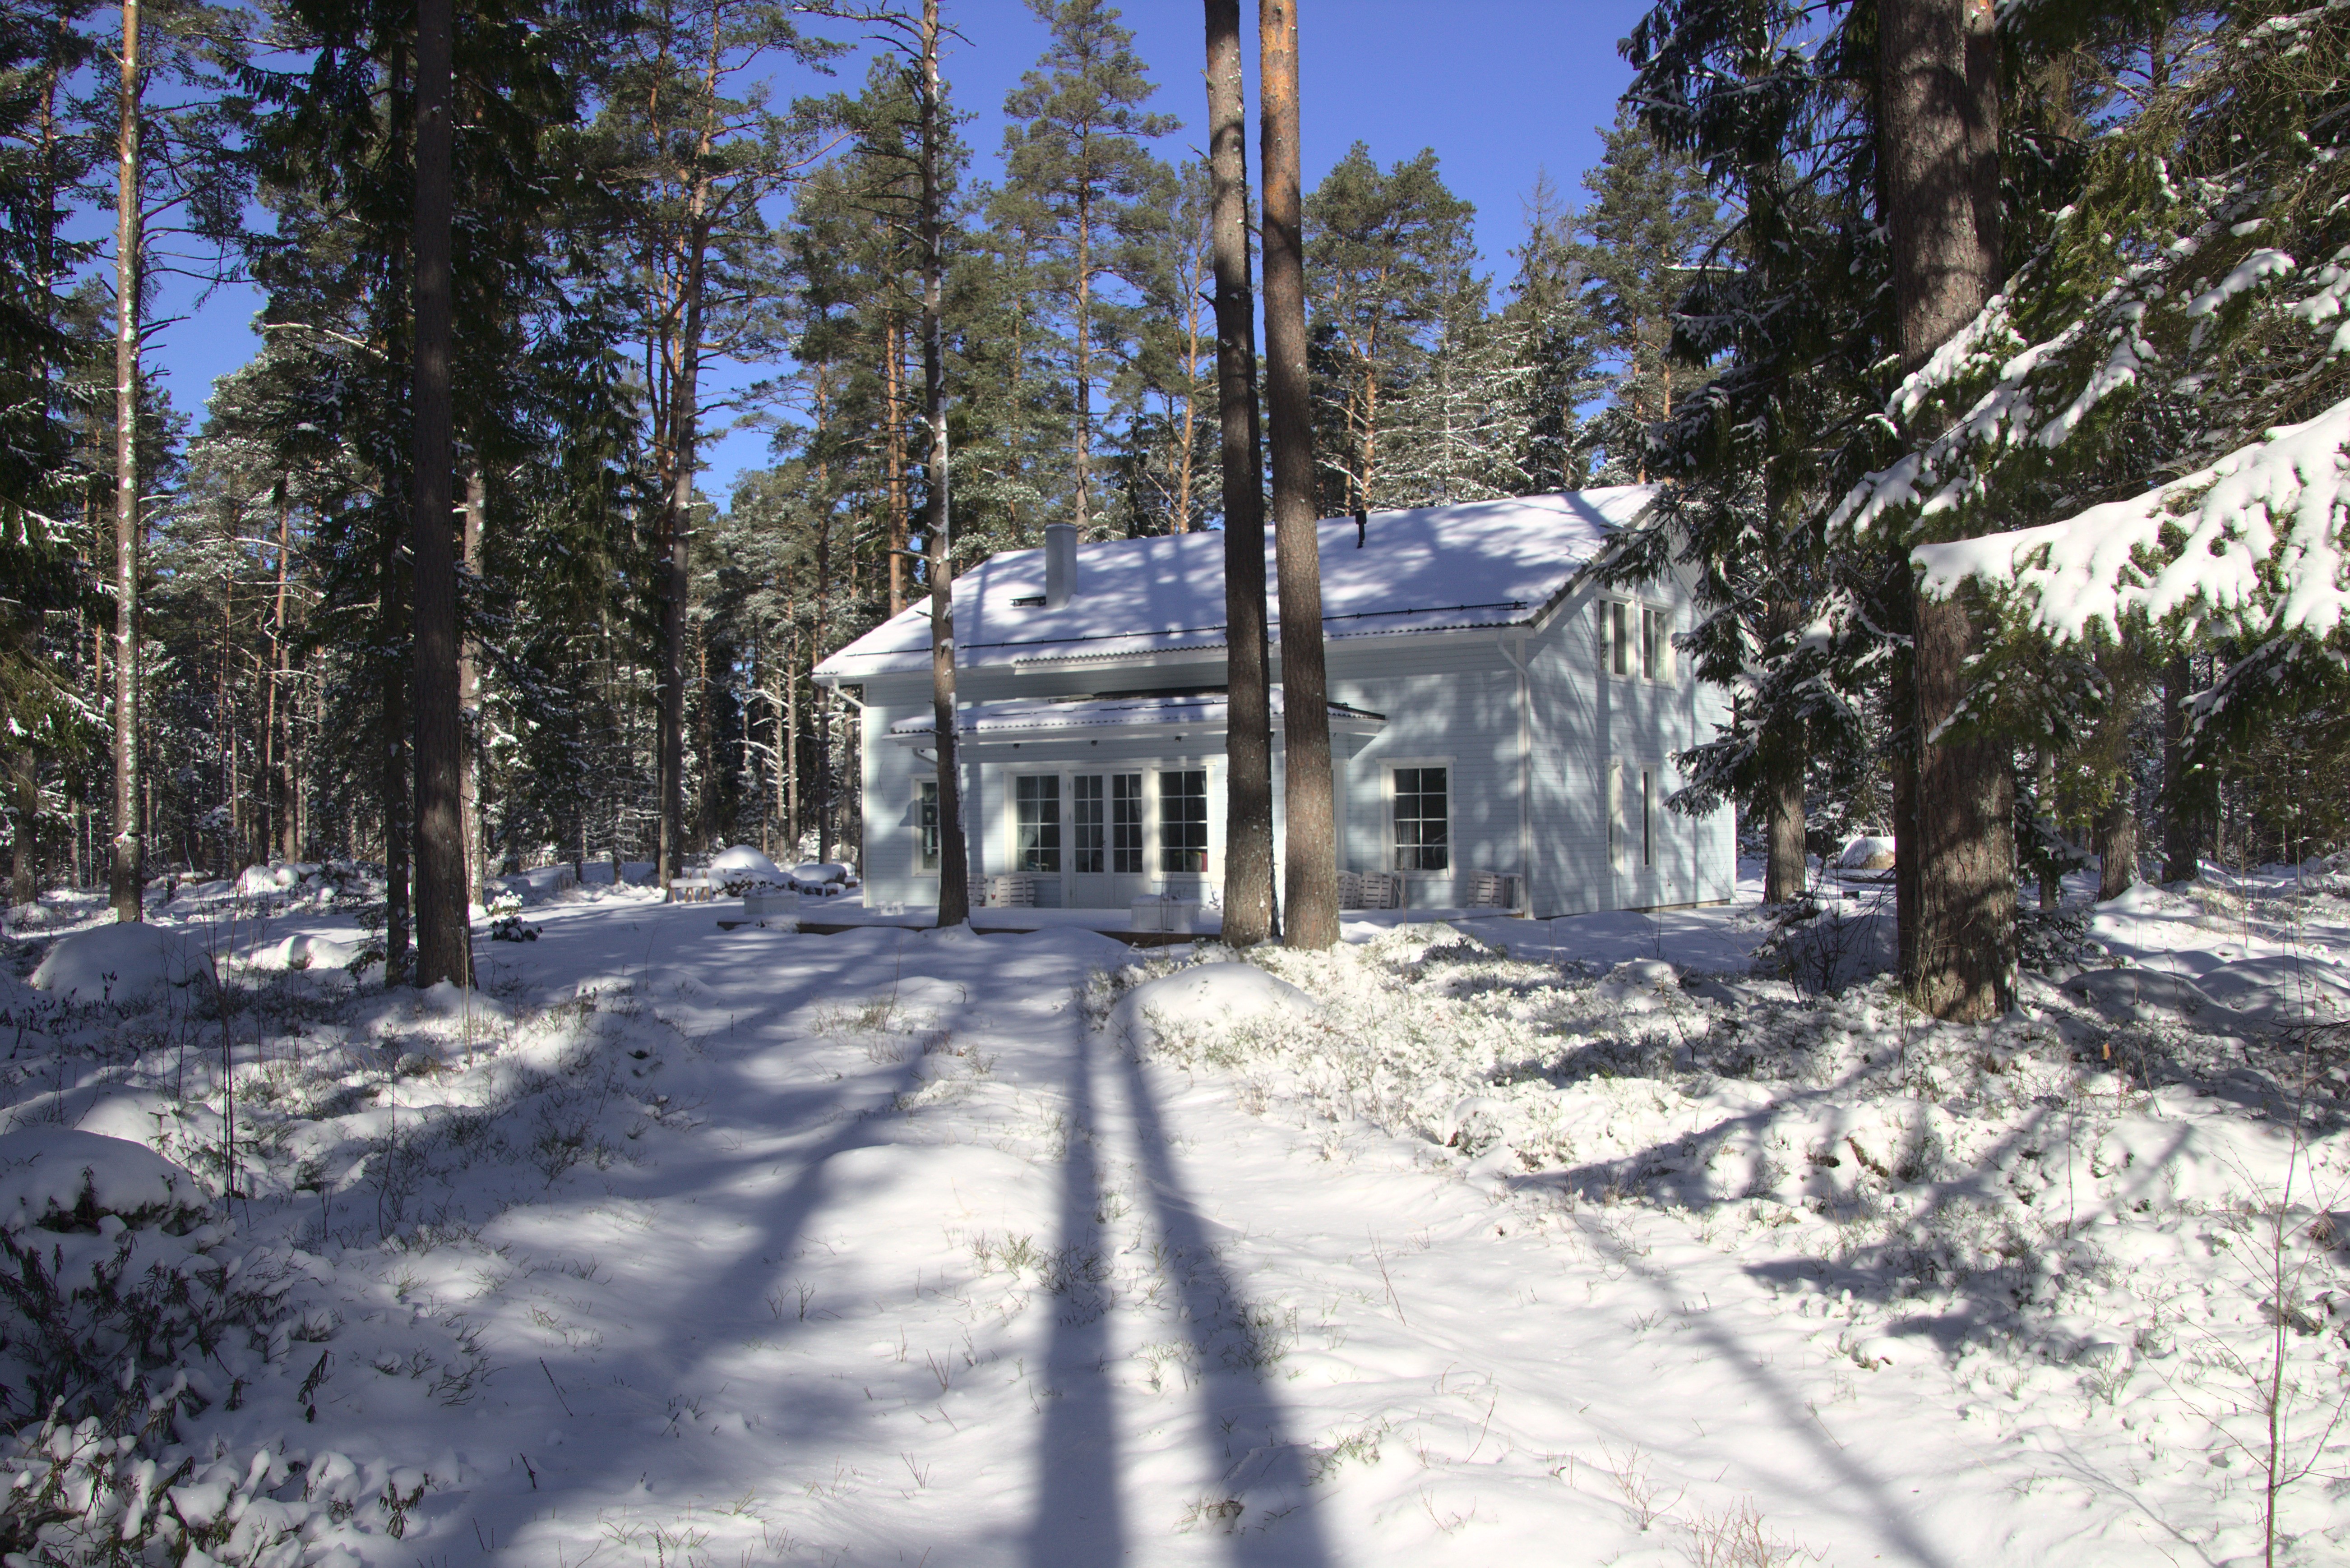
{"points": [[61, 1179], [1867, 853], [302, 952], [1210, 994], [2281, 990], [742, 861], [277, 876], [820, 873], [126, 964], [2142, 994]]}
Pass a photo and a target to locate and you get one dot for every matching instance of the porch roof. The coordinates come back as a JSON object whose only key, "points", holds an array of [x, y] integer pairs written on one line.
{"points": [[1100, 717]]}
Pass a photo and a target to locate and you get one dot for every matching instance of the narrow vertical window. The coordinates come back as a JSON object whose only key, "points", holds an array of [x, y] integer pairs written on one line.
{"points": [[1183, 820], [1652, 644], [1423, 820], [1616, 833], [1086, 819], [1647, 817], [1619, 622], [1126, 824], [926, 825], [1036, 819]]}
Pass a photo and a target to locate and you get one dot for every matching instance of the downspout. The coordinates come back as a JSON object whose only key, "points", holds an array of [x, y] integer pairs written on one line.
{"points": [[1519, 661]]}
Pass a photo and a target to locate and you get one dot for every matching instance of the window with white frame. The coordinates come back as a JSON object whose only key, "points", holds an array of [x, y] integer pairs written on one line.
{"points": [[1037, 823], [1088, 823], [926, 825], [1420, 808], [1637, 640], [1183, 820], [1126, 824], [1656, 643], [1632, 803]]}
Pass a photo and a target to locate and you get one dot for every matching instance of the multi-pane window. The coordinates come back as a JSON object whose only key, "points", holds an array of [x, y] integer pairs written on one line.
{"points": [[1183, 820], [1036, 820], [926, 825], [1126, 824], [1423, 839], [1087, 821]]}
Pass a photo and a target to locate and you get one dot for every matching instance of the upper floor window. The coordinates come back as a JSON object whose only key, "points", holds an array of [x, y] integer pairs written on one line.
{"points": [[1639, 638], [926, 825]]}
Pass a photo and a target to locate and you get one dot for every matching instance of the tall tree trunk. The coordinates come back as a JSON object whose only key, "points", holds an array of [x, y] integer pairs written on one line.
{"points": [[1311, 848], [1248, 743], [2182, 811], [1085, 361], [1939, 160], [129, 869], [954, 864], [444, 934], [1190, 423], [396, 794], [893, 364], [469, 696], [676, 581], [25, 783], [2116, 830], [275, 730], [1782, 805]]}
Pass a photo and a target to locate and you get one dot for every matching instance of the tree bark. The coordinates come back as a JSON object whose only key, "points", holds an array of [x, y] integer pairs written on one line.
{"points": [[469, 696], [1940, 111], [1248, 743], [2182, 813], [129, 871], [25, 783], [2117, 844], [1311, 852], [892, 370], [1782, 805], [954, 863], [444, 934]]}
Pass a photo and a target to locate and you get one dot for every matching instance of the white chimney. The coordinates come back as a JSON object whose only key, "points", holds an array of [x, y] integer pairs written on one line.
{"points": [[1060, 563]]}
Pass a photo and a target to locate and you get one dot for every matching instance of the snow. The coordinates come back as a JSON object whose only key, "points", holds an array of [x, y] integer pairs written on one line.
{"points": [[743, 862], [2211, 545], [1212, 994], [130, 963], [1150, 716], [821, 873], [1867, 853], [678, 1244], [64, 1178], [1490, 563]]}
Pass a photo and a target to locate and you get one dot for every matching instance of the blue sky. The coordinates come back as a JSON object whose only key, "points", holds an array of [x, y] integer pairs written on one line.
{"points": [[1501, 88]]}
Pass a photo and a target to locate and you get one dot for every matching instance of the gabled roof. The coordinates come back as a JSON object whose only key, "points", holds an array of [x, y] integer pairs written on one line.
{"points": [[1432, 568]]}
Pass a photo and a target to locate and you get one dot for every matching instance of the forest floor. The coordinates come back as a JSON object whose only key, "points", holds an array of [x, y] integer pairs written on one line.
{"points": [[898, 1247]]}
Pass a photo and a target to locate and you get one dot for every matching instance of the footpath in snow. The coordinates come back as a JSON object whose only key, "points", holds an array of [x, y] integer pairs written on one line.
{"points": [[675, 1245]]}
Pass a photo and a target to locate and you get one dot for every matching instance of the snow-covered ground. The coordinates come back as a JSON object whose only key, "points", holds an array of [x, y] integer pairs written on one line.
{"points": [[1489, 1241]]}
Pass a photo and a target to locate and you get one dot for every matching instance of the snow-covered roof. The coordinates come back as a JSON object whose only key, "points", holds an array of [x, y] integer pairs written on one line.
{"points": [[1432, 568], [1042, 717]]}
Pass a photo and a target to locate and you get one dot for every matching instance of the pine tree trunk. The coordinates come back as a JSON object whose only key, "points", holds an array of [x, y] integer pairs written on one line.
{"points": [[2117, 844], [25, 783], [892, 368], [2182, 813], [129, 871], [395, 769], [1311, 850], [1782, 805], [278, 729], [954, 864], [443, 935], [1939, 121], [469, 696], [1248, 743]]}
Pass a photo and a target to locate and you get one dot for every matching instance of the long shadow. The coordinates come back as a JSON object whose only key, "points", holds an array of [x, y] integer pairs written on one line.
{"points": [[1079, 1518], [1216, 1319], [1886, 1512]]}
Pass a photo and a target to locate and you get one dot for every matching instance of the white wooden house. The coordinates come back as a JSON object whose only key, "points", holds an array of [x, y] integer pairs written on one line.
{"points": [[1500, 733]]}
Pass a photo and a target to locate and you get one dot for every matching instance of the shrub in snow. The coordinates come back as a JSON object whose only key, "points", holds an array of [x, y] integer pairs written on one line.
{"points": [[129, 965], [1867, 853], [510, 929], [1211, 994], [58, 1178]]}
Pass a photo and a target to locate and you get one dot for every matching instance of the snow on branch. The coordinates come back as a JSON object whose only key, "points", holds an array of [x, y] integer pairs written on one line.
{"points": [[2254, 541]]}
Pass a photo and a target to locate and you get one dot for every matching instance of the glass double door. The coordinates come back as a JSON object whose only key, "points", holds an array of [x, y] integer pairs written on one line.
{"points": [[1100, 840]]}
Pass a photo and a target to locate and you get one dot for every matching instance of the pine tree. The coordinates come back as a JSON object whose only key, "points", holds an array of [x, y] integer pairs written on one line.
{"points": [[1388, 262], [1092, 196]]}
